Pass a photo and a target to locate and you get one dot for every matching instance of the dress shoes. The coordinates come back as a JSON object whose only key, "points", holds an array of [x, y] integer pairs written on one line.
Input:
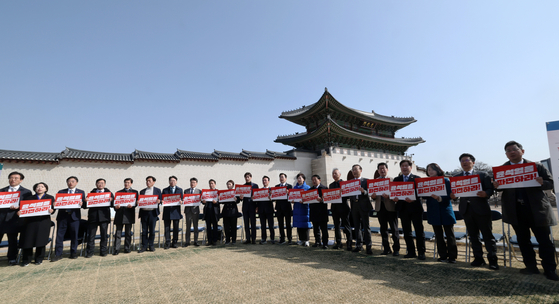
{"points": [[357, 249], [104, 254], [422, 257], [174, 245], [141, 250], [337, 246], [442, 260], [530, 270], [38, 263], [551, 275], [273, 242], [152, 249], [24, 264], [493, 265], [410, 255], [12, 262], [396, 253], [316, 245], [369, 251], [209, 243], [324, 247], [477, 262], [349, 248], [196, 244], [386, 252], [56, 258], [116, 252], [167, 246], [262, 242], [73, 256], [452, 261], [185, 245], [126, 250], [289, 243], [89, 255]]}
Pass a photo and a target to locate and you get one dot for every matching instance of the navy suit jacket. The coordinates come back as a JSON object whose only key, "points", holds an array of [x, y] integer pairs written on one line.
{"points": [[363, 201], [72, 214], [99, 214], [284, 205], [404, 207], [8, 217], [155, 213], [477, 205], [172, 212], [318, 211], [125, 215]]}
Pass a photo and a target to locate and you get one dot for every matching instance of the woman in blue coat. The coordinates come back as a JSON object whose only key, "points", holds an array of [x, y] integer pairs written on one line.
{"points": [[301, 219], [441, 216]]}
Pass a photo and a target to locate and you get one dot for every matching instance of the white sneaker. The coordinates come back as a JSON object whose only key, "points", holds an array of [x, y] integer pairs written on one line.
{"points": [[307, 244]]}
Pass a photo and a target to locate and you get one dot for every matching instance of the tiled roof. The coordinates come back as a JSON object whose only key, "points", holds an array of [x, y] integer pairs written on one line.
{"points": [[28, 156], [196, 155], [256, 155], [280, 154], [156, 156], [70, 153], [229, 155]]}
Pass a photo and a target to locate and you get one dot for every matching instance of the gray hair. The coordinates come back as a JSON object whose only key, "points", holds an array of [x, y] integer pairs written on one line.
{"points": [[335, 169]]}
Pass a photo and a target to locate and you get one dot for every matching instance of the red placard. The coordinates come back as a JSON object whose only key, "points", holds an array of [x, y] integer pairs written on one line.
{"points": [[245, 190], [8, 199], [260, 195], [332, 196], [402, 190], [125, 198], [95, 200], [171, 200], [310, 196], [352, 187], [295, 195], [226, 195], [68, 201], [209, 195], [148, 201], [191, 200], [34, 208], [516, 176], [279, 193], [465, 186], [378, 186], [427, 186]]}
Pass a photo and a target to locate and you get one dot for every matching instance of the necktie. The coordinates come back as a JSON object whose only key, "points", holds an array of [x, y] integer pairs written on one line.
{"points": [[405, 178], [11, 189], [98, 191], [71, 191], [173, 190], [467, 173]]}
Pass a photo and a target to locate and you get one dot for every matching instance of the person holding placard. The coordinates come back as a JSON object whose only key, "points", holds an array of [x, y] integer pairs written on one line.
{"points": [[249, 211], [35, 229], [149, 216], [411, 211], [284, 212], [441, 216], [360, 207], [9, 218], [125, 215], [319, 215], [301, 219], [191, 214], [528, 208], [477, 214], [211, 215], [230, 214], [172, 214], [340, 215], [68, 219], [266, 214], [387, 215], [98, 217]]}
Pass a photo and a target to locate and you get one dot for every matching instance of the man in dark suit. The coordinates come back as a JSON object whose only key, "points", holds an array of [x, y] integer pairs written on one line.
{"points": [[319, 216], [266, 214], [249, 212], [529, 208], [192, 213], [9, 218], [284, 212], [360, 207], [387, 215], [477, 214], [125, 215], [212, 215], [149, 216], [98, 217], [172, 213], [411, 211], [340, 214], [68, 219]]}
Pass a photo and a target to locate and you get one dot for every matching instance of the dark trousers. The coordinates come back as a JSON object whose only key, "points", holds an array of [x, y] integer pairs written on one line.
{"points": [[167, 224], [191, 221], [148, 231], [341, 219], [417, 219], [230, 227], [249, 217], [284, 223], [362, 227], [12, 245], [476, 223], [303, 234], [92, 232], [446, 249], [320, 228], [26, 254], [269, 219], [386, 218], [127, 236], [546, 247], [211, 228], [62, 226]]}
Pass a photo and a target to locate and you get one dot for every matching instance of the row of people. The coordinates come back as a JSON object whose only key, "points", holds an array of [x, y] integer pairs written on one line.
{"points": [[523, 208]]}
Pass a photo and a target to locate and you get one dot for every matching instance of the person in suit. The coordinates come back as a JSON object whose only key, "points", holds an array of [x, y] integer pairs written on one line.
{"points": [[35, 229], [301, 218], [249, 212], [319, 215], [68, 220], [172, 213], [192, 213], [125, 216], [340, 215], [265, 211], [149, 216], [529, 209], [477, 214], [440, 215], [211, 215], [230, 213], [98, 217], [360, 207], [387, 215], [9, 218], [284, 213], [411, 212]]}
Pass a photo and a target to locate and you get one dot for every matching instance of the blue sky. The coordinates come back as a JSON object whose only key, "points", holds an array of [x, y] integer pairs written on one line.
{"points": [[116, 76]]}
